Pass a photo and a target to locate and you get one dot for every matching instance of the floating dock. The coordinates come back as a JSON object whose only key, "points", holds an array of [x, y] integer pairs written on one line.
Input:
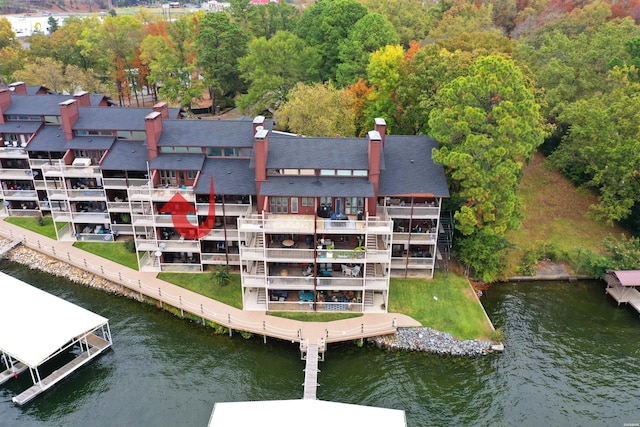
{"points": [[622, 284], [36, 327]]}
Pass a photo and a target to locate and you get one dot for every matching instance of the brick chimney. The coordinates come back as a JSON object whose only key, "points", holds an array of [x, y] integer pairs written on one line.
{"points": [[19, 88], [381, 128], [375, 149], [83, 99], [260, 151], [5, 102], [162, 108], [69, 112], [153, 126], [258, 122]]}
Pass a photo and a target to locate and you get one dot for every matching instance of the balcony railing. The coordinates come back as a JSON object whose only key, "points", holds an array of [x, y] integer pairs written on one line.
{"points": [[70, 170], [87, 194], [230, 209], [179, 245], [234, 259], [123, 183], [20, 194], [181, 268], [146, 245], [168, 193], [13, 153], [40, 163], [91, 217], [24, 212], [91, 237], [414, 262], [418, 211], [122, 228], [416, 238], [335, 283], [304, 224], [15, 173], [118, 206]]}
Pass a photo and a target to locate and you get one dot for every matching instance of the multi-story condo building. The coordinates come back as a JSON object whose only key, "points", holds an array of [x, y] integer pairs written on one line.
{"points": [[312, 224]]}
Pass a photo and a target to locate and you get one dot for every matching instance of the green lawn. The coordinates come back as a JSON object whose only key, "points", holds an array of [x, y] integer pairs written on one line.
{"points": [[455, 311], [114, 251], [203, 284], [31, 223]]}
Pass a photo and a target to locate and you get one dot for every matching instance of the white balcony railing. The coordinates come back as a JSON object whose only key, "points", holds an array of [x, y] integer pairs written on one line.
{"points": [[418, 212], [416, 238], [179, 245], [24, 212], [20, 194], [300, 224], [87, 194], [46, 163], [230, 209], [118, 206], [13, 153], [91, 217], [123, 183], [181, 268], [15, 173], [234, 259]]}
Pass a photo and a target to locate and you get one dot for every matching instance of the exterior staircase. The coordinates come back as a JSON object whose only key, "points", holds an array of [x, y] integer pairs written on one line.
{"points": [[445, 240]]}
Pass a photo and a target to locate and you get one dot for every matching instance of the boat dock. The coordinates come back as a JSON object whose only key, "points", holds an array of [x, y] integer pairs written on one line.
{"points": [[25, 342], [622, 284], [311, 372], [8, 246]]}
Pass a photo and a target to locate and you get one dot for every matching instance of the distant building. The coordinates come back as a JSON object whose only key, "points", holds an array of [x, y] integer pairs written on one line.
{"points": [[312, 224]]}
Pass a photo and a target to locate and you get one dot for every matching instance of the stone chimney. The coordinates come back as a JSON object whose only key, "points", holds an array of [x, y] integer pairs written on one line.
{"points": [[83, 99], [153, 127], [19, 88], [163, 109], [69, 112], [5, 102], [260, 151], [375, 149], [381, 128]]}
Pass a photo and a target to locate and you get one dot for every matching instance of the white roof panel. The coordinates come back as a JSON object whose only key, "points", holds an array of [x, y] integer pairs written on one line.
{"points": [[303, 412], [34, 324]]}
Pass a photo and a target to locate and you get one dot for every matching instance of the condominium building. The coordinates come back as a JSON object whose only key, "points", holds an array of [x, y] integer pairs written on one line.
{"points": [[311, 224]]}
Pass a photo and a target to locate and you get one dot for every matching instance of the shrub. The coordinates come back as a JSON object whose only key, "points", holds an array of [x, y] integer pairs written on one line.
{"points": [[130, 245], [40, 220], [221, 275]]}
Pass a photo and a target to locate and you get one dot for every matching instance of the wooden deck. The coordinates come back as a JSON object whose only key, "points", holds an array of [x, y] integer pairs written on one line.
{"points": [[10, 373], [311, 372], [97, 346]]}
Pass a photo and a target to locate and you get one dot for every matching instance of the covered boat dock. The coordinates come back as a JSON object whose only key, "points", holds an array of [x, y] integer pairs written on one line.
{"points": [[37, 327], [622, 284]]}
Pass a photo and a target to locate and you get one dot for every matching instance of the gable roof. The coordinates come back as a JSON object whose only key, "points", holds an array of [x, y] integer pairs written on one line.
{"points": [[126, 155], [230, 176], [317, 153], [91, 142], [312, 186], [410, 169], [206, 133], [175, 161], [49, 138], [20, 127]]}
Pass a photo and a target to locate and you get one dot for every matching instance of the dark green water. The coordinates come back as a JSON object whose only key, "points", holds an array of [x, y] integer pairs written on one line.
{"points": [[571, 359]]}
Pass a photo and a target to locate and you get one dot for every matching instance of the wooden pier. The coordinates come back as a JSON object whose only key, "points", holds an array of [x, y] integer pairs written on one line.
{"points": [[311, 372], [11, 372], [621, 285]]}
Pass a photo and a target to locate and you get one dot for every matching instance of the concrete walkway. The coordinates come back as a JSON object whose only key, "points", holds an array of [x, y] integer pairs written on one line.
{"points": [[257, 322]]}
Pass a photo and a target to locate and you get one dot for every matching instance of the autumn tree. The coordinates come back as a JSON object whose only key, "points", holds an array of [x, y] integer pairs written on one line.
{"points": [[488, 124], [12, 56], [316, 110], [272, 67], [57, 76], [385, 72], [411, 19], [219, 44]]}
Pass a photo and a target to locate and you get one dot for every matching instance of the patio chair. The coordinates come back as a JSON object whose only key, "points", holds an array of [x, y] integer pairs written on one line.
{"points": [[355, 271], [346, 270]]}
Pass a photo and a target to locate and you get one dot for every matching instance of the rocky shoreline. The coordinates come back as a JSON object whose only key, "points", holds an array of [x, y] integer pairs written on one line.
{"points": [[406, 339], [39, 261], [431, 341]]}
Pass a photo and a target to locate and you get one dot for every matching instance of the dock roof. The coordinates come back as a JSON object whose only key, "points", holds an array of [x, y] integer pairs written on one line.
{"points": [[34, 324]]}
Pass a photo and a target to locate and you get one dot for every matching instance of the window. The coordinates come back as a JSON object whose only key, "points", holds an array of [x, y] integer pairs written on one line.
{"points": [[327, 172], [326, 201], [279, 204], [353, 204], [166, 149], [294, 205], [307, 201], [307, 172], [360, 173], [168, 177], [180, 149], [192, 174], [291, 171], [94, 133], [81, 132], [214, 152], [344, 172], [197, 150], [52, 120], [138, 135], [231, 152]]}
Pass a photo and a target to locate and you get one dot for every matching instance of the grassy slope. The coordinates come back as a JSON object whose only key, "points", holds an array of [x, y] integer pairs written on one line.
{"points": [[555, 213], [203, 284], [31, 223], [114, 251]]}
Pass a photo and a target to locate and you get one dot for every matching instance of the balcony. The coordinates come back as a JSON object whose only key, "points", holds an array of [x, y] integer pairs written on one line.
{"points": [[122, 183], [92, 237], [220, 258], [91, 217], [23, 212], [87, 194], [416, 238], [419, 212], [412, 262], [20, 194], [307, 224], [165, 194], [13, 153], [118, 206], [61, 170], [15, 173], [230, 209], [45, 163], [180, 268], [122, 228], [179, 245]]}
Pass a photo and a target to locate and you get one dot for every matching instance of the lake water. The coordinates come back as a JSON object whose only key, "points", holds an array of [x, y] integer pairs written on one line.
{"points": [[571, 359]]}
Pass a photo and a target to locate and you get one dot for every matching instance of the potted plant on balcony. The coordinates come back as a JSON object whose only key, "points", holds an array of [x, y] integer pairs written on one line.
{"points": [[359, 251]]}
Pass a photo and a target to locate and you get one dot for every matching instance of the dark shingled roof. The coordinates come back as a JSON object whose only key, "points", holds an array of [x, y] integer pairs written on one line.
{"points": [[126, 155], [311, 186], [36, 105], [20, 127], [49, 138], [410, 168], [100, 118], [206, 133], [91, 142], [230, 176], [179, 162], [317, 153]]}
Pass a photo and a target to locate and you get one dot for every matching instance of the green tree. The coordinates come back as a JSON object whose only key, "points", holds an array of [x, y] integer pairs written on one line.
{"points": [[316, 110], [488, 124], [57, 76], [272, 67], [325, 25], [7, 35], [11, 60], [53, 24], [601, 150], [411, 19], [219, 45], [369, 34], [385, 72]]}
